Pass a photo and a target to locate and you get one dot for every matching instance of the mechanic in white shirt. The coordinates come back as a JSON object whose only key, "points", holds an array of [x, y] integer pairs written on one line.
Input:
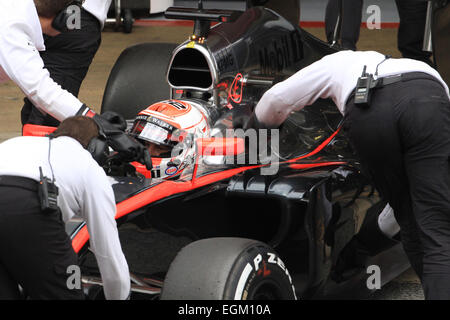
{"points": [[35, 250], [402, 137], [22, 24], [68, 56]]}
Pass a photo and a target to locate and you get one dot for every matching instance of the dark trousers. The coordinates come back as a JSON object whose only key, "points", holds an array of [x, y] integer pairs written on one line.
{"points": [[35, 250], [351, 15], [67, 57], [403, 140], [412, 29]]}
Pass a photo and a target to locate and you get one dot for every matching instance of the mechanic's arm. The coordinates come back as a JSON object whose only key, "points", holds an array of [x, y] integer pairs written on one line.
{"points": [[23, 65], [99, 210], [101, 7], [300, 90]]}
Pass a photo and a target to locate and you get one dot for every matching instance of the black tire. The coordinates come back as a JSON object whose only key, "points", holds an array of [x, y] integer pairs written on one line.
{"points": [[227, 269], [127, 21], [137, 79]]}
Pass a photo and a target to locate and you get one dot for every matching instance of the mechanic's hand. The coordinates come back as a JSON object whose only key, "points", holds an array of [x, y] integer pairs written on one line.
{"points": [[94, 292], [244, 118], [129, 149], [117, 168], [115, 119], [242, 115]]}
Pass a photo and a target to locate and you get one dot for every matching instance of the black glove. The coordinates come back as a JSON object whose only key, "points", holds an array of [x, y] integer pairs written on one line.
{"points": [[128, 148], [244, 117], [115, 119]]}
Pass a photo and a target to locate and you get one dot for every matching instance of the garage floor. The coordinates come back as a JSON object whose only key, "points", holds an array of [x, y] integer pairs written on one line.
{"points": [[11, 98]]}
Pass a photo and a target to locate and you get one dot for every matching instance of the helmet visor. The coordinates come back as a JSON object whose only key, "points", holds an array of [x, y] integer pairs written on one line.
{"points": [[157, 131]]}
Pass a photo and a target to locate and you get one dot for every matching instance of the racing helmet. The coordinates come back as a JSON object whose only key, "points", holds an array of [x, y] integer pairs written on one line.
{"points": [[172, 126]]}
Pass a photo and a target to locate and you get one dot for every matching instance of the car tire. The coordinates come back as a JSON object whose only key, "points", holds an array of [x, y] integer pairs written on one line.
{"points": [[227, 269], [138, 79]]}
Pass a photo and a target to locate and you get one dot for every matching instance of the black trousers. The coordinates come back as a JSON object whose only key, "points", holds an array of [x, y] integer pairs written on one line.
{"points": [[351, 15], [35, 250], [67, 57], [412, 29], [403, 140]]}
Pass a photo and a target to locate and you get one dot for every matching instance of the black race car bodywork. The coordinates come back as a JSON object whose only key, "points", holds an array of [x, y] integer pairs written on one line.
{"points": [[307, 211]]}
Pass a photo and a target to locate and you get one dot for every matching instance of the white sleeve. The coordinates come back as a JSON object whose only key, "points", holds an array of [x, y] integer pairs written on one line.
{"points": [[300, 90], [99, 8], [99, 209], [22, 63]]}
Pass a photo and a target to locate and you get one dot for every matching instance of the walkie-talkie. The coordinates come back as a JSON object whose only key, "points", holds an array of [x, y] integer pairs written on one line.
{"points": [[362, 90], [48, 194], [47, 189], [365, 84]]}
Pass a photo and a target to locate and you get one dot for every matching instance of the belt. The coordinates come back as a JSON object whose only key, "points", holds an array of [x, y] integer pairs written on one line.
{"points": [[401, 77], [19, 182]]}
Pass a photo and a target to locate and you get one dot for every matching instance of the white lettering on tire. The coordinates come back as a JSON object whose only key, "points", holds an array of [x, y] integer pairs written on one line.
{"points": [[242, 281]]}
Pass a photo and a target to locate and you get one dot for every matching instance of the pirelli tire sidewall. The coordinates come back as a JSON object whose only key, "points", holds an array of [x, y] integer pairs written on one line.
{"points": [[259, 274], [227, 268]]}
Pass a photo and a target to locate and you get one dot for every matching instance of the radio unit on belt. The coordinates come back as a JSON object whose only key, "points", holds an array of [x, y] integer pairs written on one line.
{"points": [[362, 90], [366, 83]]}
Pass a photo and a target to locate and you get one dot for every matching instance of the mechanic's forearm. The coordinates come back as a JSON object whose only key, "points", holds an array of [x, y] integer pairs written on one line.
{"points": [[99, 211], [115, 276], [55, 101], [300, 90], [23, 65], [108, 252], [271, 111]]}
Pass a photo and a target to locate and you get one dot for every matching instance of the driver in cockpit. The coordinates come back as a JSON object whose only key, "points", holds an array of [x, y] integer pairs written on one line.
{"points": [[168, 129]]}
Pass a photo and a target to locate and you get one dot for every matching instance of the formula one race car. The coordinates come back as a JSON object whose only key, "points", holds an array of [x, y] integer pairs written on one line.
{"points": [[218, 228]]}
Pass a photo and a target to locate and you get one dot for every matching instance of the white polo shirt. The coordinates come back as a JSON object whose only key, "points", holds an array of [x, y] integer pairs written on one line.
{"points": [[20, 42], [84, 191], [334, 76]]}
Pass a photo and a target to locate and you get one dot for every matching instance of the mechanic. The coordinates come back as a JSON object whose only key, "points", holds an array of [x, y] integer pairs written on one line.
{"points": [[68, 56], [21, 27], [35, 251], [399, 125]]}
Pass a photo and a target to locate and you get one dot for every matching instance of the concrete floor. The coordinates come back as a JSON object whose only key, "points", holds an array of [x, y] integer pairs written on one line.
{"points": [[404, 287]]}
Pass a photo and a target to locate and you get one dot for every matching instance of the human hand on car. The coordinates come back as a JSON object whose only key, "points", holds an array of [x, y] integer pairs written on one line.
{"points": [[112, 126], [244, 116]]}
